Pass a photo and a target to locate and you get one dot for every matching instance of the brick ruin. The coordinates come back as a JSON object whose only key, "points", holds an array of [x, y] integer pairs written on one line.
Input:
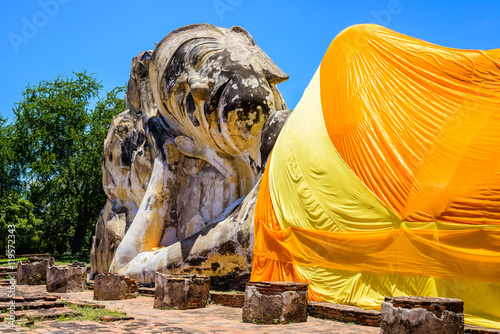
{"points": [[110, 286]]}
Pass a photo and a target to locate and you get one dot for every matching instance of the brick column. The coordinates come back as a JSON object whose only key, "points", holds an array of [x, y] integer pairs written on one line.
{"points": [[275, 302]]}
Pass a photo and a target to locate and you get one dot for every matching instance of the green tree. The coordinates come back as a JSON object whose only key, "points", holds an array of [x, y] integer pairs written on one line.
{"points": [[9, 170], [58, 135], [18, 211], [10, 201]]}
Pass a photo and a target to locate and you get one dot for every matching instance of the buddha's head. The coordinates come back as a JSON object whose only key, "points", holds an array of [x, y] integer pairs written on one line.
{"points": [[215, 85]]}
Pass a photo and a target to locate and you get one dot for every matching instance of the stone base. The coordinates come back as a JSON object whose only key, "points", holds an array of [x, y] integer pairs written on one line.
{"points": [[109, 286], [422, 315], [33, 272], [181, 292], [66, 279], [275, 302]]}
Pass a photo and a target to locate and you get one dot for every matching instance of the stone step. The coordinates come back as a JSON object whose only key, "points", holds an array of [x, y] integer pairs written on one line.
{"points": [[146, 291], [29, 298], [83, 303], [344, 313], [43, 314], [4, 306], [4, 270]]}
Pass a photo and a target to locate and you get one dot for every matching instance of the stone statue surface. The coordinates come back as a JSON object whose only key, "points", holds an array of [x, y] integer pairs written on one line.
{"points": [[181, 166]]}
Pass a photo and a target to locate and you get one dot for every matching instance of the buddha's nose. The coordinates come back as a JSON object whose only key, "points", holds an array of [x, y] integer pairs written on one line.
{"points": [[275, 76]]}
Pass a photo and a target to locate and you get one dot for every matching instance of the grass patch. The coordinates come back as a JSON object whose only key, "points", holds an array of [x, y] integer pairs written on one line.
{"points": [[29, 323], [86, 313], [68, 258], [89, 313], [6, 261]]}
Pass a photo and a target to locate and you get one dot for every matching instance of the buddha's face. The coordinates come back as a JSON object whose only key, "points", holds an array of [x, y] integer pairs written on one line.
{"points": [[221, 90]]}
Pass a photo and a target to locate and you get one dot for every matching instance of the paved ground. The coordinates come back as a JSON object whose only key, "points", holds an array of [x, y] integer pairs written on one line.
{"points": [[212, 319]]}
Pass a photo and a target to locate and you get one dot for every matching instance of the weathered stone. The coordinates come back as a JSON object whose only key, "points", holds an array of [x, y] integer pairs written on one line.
{"points": [[78, 264], [31, 305], [275, 302], [114, 287], [231, 281], [66, 278], [181, 166], [33, 273], [181, 292], [344, 313], [422, 315], [228, 299]]}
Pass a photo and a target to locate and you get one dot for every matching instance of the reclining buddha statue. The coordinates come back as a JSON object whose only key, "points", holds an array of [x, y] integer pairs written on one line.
{"points": [[203, 112], [384, 180]]}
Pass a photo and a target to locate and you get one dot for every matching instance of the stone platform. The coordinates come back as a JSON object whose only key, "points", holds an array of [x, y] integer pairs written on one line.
{"points": [[211, 319]]}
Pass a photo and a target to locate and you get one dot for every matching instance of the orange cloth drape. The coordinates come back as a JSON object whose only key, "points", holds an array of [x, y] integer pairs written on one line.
{"points": [[386, 178]]}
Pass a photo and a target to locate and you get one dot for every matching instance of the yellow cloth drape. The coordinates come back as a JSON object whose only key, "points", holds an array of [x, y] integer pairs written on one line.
{"points": [[385, 180]]}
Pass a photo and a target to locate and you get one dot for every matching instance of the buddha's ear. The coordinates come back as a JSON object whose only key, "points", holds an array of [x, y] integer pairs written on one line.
{"points": [[240, 30]]}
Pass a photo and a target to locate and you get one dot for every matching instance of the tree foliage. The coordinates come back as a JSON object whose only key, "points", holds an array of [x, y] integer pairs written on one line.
{"points": [[55, 149]]}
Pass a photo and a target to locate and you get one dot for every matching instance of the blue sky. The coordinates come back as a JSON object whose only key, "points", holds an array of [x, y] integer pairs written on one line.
{"points": [[42, 39]]}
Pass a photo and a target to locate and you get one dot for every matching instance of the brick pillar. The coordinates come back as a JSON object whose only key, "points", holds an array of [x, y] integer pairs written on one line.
{"points": [[110, 286], [181, 292], [66, 279], [33, 272], [275, 302]]}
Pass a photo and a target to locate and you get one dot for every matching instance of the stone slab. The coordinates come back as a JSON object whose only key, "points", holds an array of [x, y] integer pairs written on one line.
{"points": [[31, 305], [46, 314]]}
